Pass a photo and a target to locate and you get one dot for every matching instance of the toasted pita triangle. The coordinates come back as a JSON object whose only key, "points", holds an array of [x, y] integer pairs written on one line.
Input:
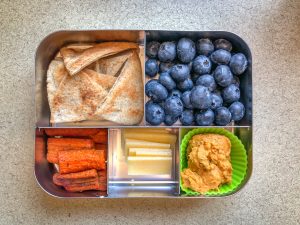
{"points": [[104, 80], [77, 47], [112, 64], [124, 103], [76, 60], [76, 99], [55, 74]]}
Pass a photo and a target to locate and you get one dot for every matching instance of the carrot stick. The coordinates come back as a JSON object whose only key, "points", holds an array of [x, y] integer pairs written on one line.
{"points": [[80, 160], [73, 132], [59, 179], [81, 181], [63, 144], [100, 137], [101, 147], [84, 187]]}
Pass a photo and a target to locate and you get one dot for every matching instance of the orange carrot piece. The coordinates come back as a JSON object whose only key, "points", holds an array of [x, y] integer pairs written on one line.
{"points": [[55, 145], [84, 187], [81, 181], [62, 179], [100, 137], [72, 132], [79, 160], [101, 147]]}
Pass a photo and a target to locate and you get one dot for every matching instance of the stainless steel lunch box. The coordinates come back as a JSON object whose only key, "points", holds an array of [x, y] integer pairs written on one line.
{"points": [[153, 187]]}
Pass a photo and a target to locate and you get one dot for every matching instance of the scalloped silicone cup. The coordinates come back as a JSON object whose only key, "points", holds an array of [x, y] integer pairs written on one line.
{"points": [[238, 161]]}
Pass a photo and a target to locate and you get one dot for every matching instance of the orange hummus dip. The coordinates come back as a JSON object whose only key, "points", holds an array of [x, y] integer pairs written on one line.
{"points": [[208, 163]]}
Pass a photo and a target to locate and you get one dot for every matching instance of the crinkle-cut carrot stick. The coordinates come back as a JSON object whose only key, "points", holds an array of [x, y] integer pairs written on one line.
{"points": [[63, 179], [71, 142], [79, 160], [72, 132], [81, 181], [100, 137], [54, 145], [102, 173], [94, 185], [101, 147]]}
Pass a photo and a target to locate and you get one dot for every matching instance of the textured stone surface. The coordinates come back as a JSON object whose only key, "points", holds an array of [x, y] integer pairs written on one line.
{"points": [[272, 30]]}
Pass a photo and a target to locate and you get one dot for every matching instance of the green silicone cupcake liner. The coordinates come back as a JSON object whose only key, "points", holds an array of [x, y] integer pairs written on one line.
{"points": [[238, 160]]}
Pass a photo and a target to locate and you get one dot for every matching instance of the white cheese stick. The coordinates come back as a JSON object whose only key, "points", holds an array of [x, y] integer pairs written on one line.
{"points": [[132, 143], [149, 152], [149, 165]]}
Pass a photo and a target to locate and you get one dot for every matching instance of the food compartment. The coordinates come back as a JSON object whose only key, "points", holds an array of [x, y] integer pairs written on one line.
{"points": [[89, 78], [143, 162], [241, 159], [71, 162], [244, 79]]}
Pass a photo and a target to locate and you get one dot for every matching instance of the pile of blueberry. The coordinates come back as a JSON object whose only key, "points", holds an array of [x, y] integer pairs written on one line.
{"points": [[198, 83]]}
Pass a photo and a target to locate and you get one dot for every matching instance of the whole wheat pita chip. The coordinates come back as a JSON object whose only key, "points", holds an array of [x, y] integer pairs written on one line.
{"points": [[124, 103], [104, 80], [76, 99], [76, 60], [55, 74], [112, 64], [79, 47]]}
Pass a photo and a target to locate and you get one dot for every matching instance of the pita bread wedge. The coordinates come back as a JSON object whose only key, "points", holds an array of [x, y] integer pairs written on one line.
{"points": [[55, 74], [76, 99], [77, 47], [106, 81], [112, 64], [75, 60], [124, 103]]}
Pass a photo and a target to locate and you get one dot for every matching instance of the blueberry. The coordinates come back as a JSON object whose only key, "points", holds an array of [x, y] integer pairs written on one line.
{"points": [[186, 100], [238, 63], [231, 93], [204, 46], [155, 114], [220, 56], [216, 101], [166, 80], [165, 66], [237, 110], [185, 85], [236, 80], [223, 75], [195, 77], [152, 49], [223, 44], [202, 65], [151, 82], [200, 97], [186, 50], [156, 91], [190, 65], [207, 81], [173, 106], [187, 117], [167, 52], [205, 117], [180, 72], [151, 67], [175, 93], [218, 92], [222, 116], [170, 120]]}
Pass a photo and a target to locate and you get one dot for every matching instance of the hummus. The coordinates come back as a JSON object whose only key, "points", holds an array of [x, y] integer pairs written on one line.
{"points": [[208, 163]]}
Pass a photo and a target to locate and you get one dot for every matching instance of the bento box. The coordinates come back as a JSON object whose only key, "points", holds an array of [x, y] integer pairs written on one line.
{"points": [[138, 159]]}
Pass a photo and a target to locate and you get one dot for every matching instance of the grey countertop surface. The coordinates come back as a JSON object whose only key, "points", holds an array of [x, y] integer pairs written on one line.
{"points": [[272, 30]]}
